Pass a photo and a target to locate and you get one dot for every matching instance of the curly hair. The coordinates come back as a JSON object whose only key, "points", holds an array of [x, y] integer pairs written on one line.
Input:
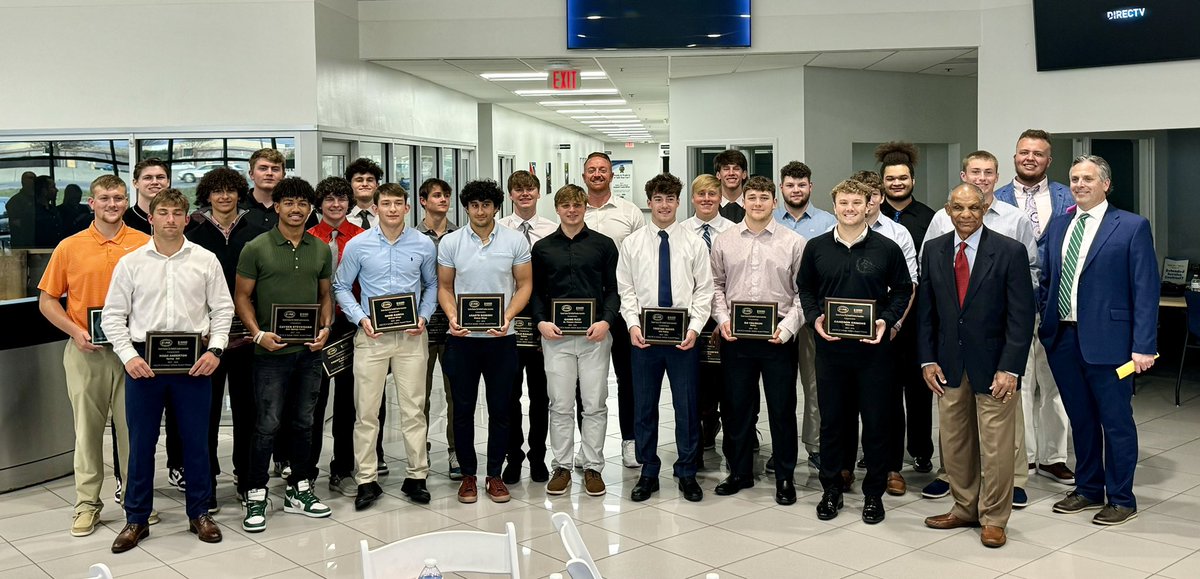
{"points": [[294, 187], [334, 186], [366, 166], [896, 153], [221, 179], [481, 190], [869, 178], [663, 184]]}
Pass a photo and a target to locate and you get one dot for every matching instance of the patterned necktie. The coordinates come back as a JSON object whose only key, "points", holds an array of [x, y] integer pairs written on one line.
{"points": [[664, 271], [962, 272], [896, 217], [707, 235], [1031, 208], [333, 247], [1066, 283], [525, 227]]}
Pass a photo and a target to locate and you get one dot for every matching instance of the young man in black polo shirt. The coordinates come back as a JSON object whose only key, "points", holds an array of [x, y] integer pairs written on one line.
{"points": [[854, 262]]}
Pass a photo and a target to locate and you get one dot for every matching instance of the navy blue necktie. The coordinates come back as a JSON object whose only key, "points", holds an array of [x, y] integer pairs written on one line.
{"points": [[896, 218], [664, 271]]}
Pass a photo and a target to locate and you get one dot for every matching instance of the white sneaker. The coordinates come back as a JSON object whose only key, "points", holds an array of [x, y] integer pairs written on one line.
{"points": [[629, 454]]}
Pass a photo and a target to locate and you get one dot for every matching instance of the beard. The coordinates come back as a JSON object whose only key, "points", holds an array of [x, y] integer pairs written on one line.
{"points": [[898, 196]]}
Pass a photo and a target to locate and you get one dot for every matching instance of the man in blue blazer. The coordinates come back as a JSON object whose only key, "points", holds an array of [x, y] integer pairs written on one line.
{"points": [[976, 313], [1043, 436], [1099, 302]]}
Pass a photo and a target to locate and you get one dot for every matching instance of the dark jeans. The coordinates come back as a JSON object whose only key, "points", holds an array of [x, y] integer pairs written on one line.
{"points": [[533, 364], [911, 397], [495, 359], [236, 366], [743, 362], [285, 392], [681, 366], [623, 368], [854, 378], [145, 400]]}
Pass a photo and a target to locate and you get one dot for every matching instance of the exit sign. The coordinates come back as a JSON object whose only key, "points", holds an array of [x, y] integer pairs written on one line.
{"points": [[564, 79]]}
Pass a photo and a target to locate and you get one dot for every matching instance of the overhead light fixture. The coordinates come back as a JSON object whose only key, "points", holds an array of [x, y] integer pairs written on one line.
{"points": [[594, 17], [691, 46], [532, 75], [602, 117], [713, 35], [551, 92], [591, 111], [581, 102]]}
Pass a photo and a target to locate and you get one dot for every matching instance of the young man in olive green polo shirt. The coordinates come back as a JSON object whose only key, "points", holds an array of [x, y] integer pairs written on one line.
{"points": [[285, 265]]}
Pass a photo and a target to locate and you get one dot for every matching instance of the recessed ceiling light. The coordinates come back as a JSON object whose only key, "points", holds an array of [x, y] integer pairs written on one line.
{"points": [[551, 92], [594, 17], [591, 111], [581, 102]]}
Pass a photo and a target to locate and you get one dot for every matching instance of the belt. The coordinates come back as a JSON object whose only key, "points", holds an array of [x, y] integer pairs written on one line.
{"points": [[1069, 324]]}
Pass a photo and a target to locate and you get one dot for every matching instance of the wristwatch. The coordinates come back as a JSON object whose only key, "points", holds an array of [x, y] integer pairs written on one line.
{"points": [[216, 352]]}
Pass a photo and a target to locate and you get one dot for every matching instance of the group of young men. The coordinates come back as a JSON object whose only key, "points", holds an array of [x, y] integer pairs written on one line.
{"points": [[748, 291]]}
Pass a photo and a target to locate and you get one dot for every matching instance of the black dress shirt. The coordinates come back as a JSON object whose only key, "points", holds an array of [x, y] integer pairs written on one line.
{"points": [[582, 267], [915, 218]]}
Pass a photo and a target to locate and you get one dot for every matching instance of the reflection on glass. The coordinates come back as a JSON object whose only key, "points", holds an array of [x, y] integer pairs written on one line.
{"points": [[403, 174], [449, 173], [428, 163], [374, 152]]}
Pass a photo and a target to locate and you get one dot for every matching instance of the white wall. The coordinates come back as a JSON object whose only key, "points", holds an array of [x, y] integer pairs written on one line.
{"points": [[128, 64], [646, 164]]}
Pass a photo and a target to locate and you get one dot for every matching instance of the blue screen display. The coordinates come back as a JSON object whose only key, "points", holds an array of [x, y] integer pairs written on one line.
{"points": [[633, 24]]}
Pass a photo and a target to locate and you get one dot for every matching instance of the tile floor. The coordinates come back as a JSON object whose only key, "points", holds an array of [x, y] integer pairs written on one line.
{"points": [[747, 535]]}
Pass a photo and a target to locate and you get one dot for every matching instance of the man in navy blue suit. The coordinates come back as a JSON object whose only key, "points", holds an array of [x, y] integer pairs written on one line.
{"points": [[976, 324], [1043, 435], [1099, 302]]}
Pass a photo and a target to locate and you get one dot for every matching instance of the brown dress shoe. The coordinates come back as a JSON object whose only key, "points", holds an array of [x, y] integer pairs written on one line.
{"points": [[993, 536], [129, 536], [205, 528], [948, 521], [896, 485], [847, 480]]}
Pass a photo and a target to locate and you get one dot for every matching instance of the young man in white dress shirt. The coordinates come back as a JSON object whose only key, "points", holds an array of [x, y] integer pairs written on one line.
{"points": [[364, 176]]}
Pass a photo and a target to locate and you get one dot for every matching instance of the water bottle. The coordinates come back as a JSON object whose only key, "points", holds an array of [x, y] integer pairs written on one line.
{"points": [[430, 570], [1195, 283]]}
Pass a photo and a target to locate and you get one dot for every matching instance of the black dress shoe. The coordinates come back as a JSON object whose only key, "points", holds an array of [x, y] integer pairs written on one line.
{"points": [[511, 474], [367, 495], [785, 492], [872, 510], [413, 488], [830, 503], [538, 472], [922, 464], [690, 488], [734, 483], [644, 488]]}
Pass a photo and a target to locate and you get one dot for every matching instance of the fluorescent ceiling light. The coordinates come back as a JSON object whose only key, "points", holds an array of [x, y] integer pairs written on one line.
{"points": [[552, 92], [581, 102], [602, 117], [532, 75], [591, 111]]}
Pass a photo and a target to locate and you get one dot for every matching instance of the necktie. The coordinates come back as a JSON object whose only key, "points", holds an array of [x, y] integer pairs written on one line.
{"points": [[896, 217], [1031, 208], [1066, 283], [962, 272], [333, 247], [366, 223], [664, 271], [525, 227], [707, 235]]}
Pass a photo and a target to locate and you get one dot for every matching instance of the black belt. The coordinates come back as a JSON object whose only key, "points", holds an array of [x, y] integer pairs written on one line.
{"points": [[1069, 324]]}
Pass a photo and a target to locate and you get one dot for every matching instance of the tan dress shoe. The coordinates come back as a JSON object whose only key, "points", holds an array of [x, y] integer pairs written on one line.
{"points": [[948, 521], [993, 536], [896, 485], [205, 528], [129, 536]]}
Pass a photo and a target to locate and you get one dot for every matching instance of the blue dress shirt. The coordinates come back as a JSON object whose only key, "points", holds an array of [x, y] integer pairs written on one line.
{"points": [[385, 268]]}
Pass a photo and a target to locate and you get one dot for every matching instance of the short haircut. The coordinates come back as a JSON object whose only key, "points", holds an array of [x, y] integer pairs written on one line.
{"points": [[391, 190], [364, 165], [969, 187], [663, 184], [570, 194], [979, 155], [334, 187], [427, 187], [897, 153], [42, 184], [269, 155], [171, 197], [1105, 170], [730, 157], [481, 190], [221, 179], [150, 162], [760, 183], [795, 170], [1038, 134], [595, 154], [106, 183], [870, 179], [294, 188], [523, 180], [705, 182], [852, 187]]}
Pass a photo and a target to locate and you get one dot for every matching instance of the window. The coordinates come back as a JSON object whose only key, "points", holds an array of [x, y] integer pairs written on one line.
{"points": [[403, 173], [191, 158]]}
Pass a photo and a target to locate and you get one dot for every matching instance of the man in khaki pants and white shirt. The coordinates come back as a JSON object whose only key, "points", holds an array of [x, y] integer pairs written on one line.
{"points": [[385, 260], [81, 268]]}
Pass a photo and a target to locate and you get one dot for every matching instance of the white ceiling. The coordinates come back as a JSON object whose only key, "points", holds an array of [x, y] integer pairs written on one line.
{"points": [[642, 81]]}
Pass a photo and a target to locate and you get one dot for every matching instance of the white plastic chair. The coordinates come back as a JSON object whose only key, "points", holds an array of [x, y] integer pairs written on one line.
{"points": [[580, 564], [99, 571], [455, 551]]}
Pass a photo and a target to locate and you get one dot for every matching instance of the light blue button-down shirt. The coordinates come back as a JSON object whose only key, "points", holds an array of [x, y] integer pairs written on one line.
{"points": [[484, 269], [385, 268], [812, 223]]}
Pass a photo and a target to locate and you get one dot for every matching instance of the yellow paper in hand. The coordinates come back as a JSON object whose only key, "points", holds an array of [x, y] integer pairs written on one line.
{"points": [[1124, 370]]}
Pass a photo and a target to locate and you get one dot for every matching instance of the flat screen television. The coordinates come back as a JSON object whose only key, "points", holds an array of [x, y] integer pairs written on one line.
{"points": [[1088, 33], [641, 24]]}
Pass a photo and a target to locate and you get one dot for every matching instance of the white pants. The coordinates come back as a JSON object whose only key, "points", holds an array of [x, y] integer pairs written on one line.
{"points": [[568, 359], [406, 356], [1046, 423]]}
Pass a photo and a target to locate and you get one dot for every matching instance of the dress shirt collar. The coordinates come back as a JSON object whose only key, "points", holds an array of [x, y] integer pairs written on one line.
{"points": [[378, 231], [583, 233], [857, 240], [783, 213], [1096, 213], [345, 230], [972, 240], [770, 228], [671, 229], [607, 203], [1042, 186], [356, 211], [491, 236], [151, 249]]}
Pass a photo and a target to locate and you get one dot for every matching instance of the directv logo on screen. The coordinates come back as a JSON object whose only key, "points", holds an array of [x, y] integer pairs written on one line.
{"points": [[1088, 33]]}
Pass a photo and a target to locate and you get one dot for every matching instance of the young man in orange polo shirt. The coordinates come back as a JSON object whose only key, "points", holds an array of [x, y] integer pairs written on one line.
{"points": [[81, 269]]}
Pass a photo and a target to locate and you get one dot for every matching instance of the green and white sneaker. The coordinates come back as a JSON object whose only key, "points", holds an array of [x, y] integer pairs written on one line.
{"points": [[301, 499], [256, 511]]}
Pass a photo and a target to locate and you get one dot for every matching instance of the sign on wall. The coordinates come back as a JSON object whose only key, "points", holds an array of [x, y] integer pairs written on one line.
{"points": [[622, 182]]}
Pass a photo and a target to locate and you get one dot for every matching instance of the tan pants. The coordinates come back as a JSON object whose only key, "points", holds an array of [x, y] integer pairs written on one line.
{"points": [[96, 388], [406, 356], [977, 432], [810, 418], [1020, 472]]}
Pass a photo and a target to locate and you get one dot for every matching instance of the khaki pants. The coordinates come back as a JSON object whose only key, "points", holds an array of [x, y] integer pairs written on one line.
{"points": [[977, 433], [810, 419], [96, 388], [406, 356]]}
